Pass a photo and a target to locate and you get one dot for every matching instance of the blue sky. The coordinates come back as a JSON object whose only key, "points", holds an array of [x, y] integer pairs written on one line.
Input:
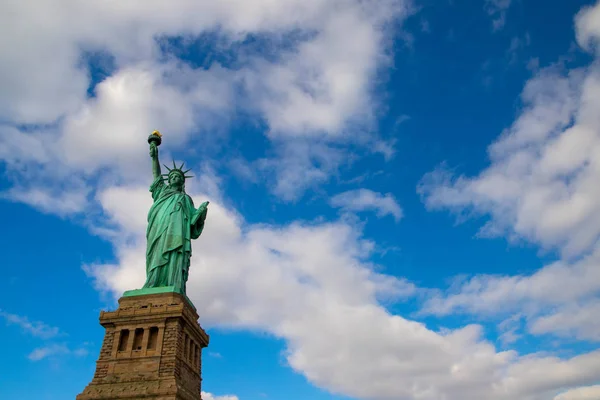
{"points": [[404, 198]]}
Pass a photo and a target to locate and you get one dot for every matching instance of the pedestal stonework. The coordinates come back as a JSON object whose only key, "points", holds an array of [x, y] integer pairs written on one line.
{"points": [[152, 349]]}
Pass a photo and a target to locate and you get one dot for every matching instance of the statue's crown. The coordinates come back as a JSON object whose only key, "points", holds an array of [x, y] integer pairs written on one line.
{"points": [[178, 170]]}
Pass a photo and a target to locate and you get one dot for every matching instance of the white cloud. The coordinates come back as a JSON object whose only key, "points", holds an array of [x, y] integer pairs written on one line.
{"points": [[365, 199], [553, 285], [35, 328], [541, 186], [509, 330], [385, 148], [54, 350], [321, 87], [210, 396], [111, 129], [301, 165], [558, 299], [308, 283], [311, 284], [50, 200], [588, 26], [578, 320], [583, 393], [541, 182], [44, 352], [314, 80], [538, 185]]}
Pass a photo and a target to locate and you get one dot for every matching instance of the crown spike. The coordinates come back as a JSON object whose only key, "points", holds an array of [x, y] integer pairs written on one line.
{"points": [[174, 166], [186, 171], [167, 167], [181, 167], [188, 176]]}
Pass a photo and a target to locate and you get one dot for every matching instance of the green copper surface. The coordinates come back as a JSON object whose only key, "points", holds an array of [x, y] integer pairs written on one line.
{"points": [[173, 222], [156, 290]]}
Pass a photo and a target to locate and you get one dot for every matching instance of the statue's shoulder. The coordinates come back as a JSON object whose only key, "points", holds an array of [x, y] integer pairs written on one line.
{"points": [[187, 196], [157, 182]]}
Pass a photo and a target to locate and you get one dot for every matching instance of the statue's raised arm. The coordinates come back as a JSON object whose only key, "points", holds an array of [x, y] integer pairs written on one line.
{"points": [[154, 140]]}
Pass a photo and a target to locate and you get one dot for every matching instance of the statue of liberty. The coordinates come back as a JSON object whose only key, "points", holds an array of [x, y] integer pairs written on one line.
{"points": [[173, 222]]}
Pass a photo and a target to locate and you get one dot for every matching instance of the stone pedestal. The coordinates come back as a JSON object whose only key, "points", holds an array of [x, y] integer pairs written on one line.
{"points": [[152, 349]]}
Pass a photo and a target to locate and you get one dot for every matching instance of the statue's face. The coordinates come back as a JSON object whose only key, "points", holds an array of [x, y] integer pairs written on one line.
{"points": [[176, 180]]}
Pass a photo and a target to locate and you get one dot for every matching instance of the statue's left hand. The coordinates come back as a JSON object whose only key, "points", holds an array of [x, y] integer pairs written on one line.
{"points": [[203, 207]]}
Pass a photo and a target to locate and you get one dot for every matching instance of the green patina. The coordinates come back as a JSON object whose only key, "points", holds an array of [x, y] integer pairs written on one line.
{"points": [[173, 222], [156, 290]]}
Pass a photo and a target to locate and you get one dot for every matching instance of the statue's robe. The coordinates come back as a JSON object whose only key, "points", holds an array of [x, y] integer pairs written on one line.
{"points": [[172, 223]]}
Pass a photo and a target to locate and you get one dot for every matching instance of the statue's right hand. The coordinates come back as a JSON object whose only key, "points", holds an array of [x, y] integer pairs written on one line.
{"points": [[153, 150]]}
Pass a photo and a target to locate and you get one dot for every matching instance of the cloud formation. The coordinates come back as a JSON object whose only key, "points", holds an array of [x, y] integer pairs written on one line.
{"points": [[365, 199], [314, 91], [583, 393], [541, 186], [210, 396], [311, 80], [312, 283]]}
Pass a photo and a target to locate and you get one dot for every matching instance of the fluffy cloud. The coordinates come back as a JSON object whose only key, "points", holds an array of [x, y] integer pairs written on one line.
{"points": [[541, 186], [210, 396], [312, 285], [576, 320], [301, 164], [107, 130], [365, 199], [559, 299], [556, 283], [309, 283], [58, 169], [588, 27], [584, 393], [311, 78]]}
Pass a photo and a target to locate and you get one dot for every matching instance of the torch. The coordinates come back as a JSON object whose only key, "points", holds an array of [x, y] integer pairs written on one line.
{"points": [[155, 137]]}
